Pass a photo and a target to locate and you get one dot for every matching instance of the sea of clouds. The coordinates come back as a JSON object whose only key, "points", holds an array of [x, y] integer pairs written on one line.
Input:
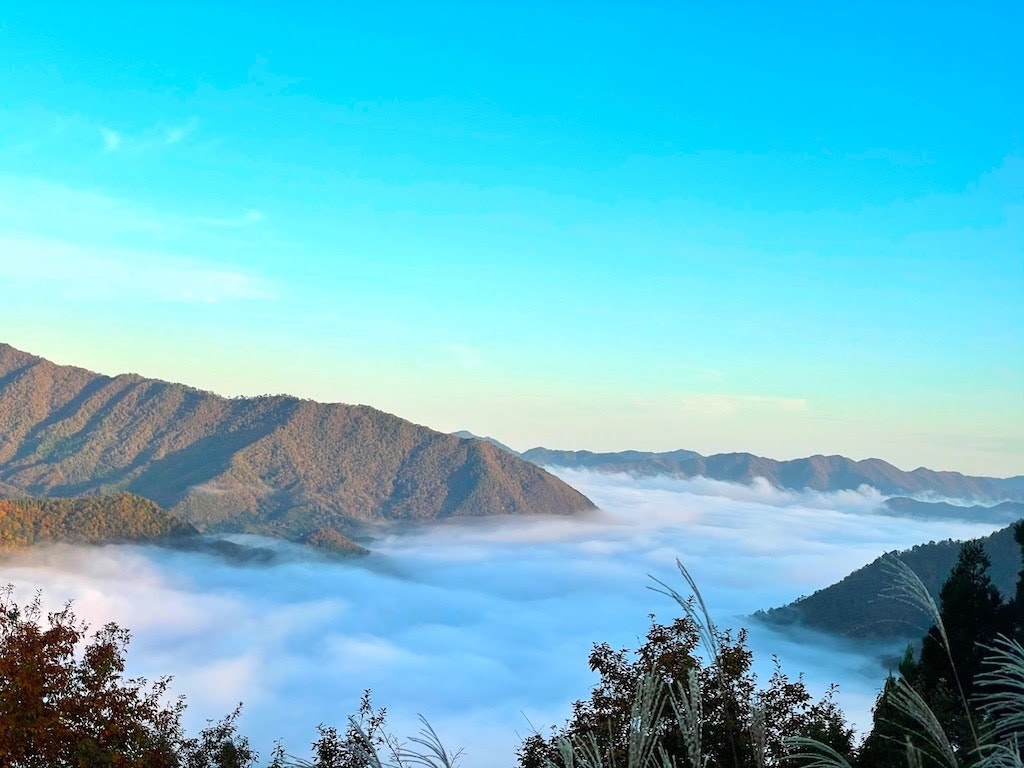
{"points": [[484, 626]]}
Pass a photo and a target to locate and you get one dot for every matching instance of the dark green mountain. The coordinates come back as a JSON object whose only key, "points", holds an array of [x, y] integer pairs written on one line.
{"points": [[278, 466], [857, 607]]}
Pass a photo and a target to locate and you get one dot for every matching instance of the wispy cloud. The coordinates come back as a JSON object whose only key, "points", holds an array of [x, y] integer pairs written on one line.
{"points": [[57, 210], [85, 245], [178, 133], [79, 272], [721, 404], [148, 139], [112, 139], [250, 217]]}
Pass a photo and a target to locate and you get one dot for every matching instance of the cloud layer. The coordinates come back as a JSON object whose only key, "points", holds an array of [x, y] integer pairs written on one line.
{"points": [[483, 626]]}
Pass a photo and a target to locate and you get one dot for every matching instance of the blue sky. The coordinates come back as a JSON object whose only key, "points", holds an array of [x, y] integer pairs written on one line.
{"points": [[788, 229]]}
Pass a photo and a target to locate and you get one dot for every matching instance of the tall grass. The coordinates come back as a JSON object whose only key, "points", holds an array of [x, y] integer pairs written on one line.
{"points": [[1001, 700]]}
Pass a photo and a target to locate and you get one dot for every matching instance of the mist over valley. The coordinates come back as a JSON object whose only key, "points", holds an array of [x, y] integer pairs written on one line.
{"points": [[483, 626]]}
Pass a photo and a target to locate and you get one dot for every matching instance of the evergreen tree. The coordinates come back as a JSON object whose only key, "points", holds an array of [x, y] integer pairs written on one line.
{"points": [[972, 614], [884, 746], [1016, 607]]}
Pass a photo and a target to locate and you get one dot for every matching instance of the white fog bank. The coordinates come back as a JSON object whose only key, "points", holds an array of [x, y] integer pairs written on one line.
{"points": [[485, 625]]}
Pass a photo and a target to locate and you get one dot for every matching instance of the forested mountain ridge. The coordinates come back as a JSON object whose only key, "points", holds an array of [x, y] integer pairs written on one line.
{"points": [[277, 465], [820, 473], [119, 518], [856, 606]]}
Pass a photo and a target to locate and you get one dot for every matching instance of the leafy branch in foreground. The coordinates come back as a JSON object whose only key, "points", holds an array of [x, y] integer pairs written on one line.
{"points": [[65, 703]]}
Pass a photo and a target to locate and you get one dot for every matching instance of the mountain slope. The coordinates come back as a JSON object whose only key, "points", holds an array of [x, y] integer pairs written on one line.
{"points": [[822, 473], [122, 517], [856, 606], [274, 465]]}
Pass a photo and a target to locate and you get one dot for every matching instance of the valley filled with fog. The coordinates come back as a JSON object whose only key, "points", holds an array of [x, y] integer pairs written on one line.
{"points": [[482, 626]]}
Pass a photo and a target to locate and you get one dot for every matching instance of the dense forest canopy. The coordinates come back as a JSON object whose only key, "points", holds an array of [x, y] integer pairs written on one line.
{"points": [[122, 517]]}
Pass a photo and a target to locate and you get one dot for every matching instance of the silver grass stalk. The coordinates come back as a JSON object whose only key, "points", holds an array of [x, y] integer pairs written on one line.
{"points": [[909, 702], [1002, 687], [642, 749], [435, 754], [1003, 755], [817, 754], [708, 633], [758, 735], [367, 753], [644, 717], [914, 757], [699, 614], [689, 709], [907, 588], [581, 751], [566, 755]]}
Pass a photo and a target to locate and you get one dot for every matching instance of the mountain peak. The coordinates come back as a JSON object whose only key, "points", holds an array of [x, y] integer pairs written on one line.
{"points": [[274, 465]]}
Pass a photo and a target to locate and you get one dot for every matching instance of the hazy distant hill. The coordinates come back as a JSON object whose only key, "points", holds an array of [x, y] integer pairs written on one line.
{"points": [[121, 517], [274, 465], [855, 607], [822, 473], [1005, 512]]}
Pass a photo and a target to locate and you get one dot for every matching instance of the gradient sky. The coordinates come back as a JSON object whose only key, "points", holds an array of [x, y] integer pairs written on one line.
{"points": [[783, 228]]}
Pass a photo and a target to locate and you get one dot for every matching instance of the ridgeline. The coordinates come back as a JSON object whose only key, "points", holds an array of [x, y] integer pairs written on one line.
{"points": [[274, 465]]}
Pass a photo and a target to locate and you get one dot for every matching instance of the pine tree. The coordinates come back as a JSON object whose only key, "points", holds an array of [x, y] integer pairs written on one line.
{"points": [[884, 746], [972, 612]]}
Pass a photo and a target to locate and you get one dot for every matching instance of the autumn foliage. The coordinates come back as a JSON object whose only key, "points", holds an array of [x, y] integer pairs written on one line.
{"points": [[59, 708], [121, 517]]}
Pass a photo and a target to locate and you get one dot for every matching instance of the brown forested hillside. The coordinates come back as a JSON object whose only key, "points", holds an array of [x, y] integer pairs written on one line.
{"points": [[274, 465], [93, 520]]}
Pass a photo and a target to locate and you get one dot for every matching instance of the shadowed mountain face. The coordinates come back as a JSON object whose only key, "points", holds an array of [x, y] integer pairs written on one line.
{"points": [[821, 473], [857, 606], [273, 465]]}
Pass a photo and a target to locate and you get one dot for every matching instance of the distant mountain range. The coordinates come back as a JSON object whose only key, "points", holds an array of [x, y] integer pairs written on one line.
{"points": [[278, 466], [857, 607], [820, 473]]}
